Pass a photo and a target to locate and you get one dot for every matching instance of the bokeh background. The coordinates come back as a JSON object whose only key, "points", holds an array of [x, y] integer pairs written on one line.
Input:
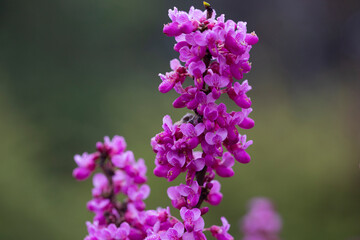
{"points": [[72, 71]]}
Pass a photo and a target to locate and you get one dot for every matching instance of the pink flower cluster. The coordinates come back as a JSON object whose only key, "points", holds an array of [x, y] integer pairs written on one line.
{"points": [[262, 221], [128, 220], [120, 174], [214, 53]]}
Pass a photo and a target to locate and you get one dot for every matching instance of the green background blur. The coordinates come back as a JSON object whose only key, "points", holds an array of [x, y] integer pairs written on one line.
{"points": [[72, 71]]}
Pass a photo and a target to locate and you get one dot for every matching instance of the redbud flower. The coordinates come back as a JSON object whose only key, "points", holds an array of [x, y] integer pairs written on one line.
{"points": [[221, 233], [86, 165], [192, 219], [215, 196], [262, 221]]}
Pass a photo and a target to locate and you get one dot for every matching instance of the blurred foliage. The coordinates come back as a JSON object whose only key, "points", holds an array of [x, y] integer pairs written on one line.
{"points": [[74, 71]]}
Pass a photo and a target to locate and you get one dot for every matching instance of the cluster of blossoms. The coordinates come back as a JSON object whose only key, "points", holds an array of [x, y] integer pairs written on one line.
{"points": [[262, 221], [120, 174], [214, 53], [128, 219]]}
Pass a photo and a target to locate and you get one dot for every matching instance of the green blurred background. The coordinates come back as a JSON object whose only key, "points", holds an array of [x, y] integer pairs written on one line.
{"points": [[72, 71]]}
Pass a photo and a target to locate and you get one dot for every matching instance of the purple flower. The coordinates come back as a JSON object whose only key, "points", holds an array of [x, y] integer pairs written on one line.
{"points": [[114, 146], [184, 195], [221, 233], [246, 122], [239, 150], [203, 101], [120, 181], [176, 160], [251, 38], [238, 94], [86, 165], [196, 39], [211, 113], [194, 166], [98, 205], [138, 195], [122, 160], [262, 221], [181, 23], [192, 131], [189, 54], [216, 81], [192, 193], [81, 173], [215, 196], [169, 80], [137, 171], [111, 232], [187, 99], [196, 69], [192, 219], [224, 167], [174, 233], [168, 126], [216, 138], [100, 184], [234, 45], [177, 200]]}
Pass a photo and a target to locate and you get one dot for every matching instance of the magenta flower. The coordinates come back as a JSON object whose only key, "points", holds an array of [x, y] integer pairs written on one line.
{"points": [[138, 195], [224, 167], [216, 138], [86, 165], [234, 43], [101, 185], [168, 126], [238, 94], [221, 233], [192, 193], [193, 221], [181, 23], [251, 38], [262, 222], [239, 150], [184, 195], [216, 82], [98, 205], [242, 120], [192, 131], [169, 80], [177, 200], [112, 146], [194, 166], [196, 39], [81, 173], [177, 161], [174, 233], [112, 232], [137, 170], [122, 160], [210, 115], [215, 196], [197, 69]]}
